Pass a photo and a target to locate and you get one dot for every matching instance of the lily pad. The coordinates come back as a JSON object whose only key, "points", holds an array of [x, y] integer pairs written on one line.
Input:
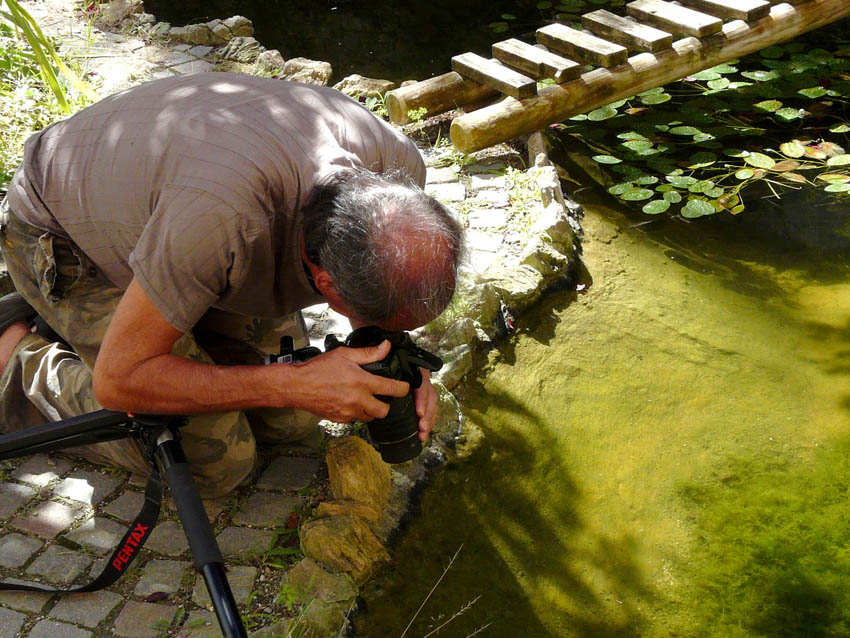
{"points": [[637, 194], [840, 128], [761, 76], [701, 186], [602, 113], [792, 149], [619, 189], [659, 98], [744, 173], [838, 160], [719, 84], [838, 188], [794, 177], [786, 165], [637, 145], [813, 92], [834, 178], [681, 181], [685, 130], [770, 106], [702, 159], [674, 197], [656, 206], [606, 159], [760, 160], [788, 114], [697, 208]]}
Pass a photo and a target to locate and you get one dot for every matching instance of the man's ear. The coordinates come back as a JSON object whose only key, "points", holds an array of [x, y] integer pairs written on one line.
{"points": [[325, 284]]}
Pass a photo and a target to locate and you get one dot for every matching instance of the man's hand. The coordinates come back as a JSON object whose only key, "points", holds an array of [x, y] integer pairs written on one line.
{"points": [[334, 386], [426, 405]]}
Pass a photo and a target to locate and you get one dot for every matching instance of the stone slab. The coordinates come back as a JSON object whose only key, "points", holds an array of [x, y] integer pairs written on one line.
{"points": [[289, 473], [52, 629], [487, 218], [13, 497], [192, 66], [59, 564], [267, 509], [161, 576], [88, 487], [48, 519], [41, 470], [241, 579], [16, 549], [447, 193], [239, 541], [99, 534], [201, 624], [168, 538], [86, 609], [11, 621], [143, 620], [28, 601], [126, 507], [443, 175]]}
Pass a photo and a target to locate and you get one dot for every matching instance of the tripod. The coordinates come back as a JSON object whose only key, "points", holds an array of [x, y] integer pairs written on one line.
{"points": [[161, 437]]}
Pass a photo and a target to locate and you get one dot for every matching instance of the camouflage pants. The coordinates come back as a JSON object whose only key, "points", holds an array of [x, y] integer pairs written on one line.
{"points": [[46, 381]]}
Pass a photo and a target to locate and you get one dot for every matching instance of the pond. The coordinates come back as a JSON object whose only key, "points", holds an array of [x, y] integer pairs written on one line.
{"points": [[381, 39], [666, 454]]}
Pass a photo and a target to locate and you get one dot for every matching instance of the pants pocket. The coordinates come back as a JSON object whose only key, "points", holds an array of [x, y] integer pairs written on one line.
{"points": [[57, 266]]}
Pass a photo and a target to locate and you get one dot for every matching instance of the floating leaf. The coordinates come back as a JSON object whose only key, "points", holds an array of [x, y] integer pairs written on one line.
{"points": [[697, 208], [838, 160], [761, 76], [786, 165], [701, 186], [735, 152], [837, 188], [646, 180], [674, 197], [632, 135], [508, 16], [719, 84], [840, 128], [606, 159], [499, 27], [603, 113], [619, 189], [794, 177], [728, 201], [772, 52], [792, 149], [770, 106], [685, 130], [656, 206], [788, 114], [637, 145], [834, 178], [704, 76], [681, 181], [744, 173], [714, 192], [760, 160], [704, 137], [813, 92], [626, 169], [737, 210], [831, 149], [724, 68], [636, 194], [660, 98], [702, 159]]}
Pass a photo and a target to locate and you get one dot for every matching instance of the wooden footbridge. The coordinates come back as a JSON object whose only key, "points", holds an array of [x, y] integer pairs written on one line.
{"points": [[633, 54]]}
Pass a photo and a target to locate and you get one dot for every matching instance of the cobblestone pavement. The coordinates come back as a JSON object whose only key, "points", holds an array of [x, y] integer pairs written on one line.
{"points": [[60, 518]]}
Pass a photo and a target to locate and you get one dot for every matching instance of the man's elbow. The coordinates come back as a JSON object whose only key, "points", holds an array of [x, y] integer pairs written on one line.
{"points": [[107, 389]]}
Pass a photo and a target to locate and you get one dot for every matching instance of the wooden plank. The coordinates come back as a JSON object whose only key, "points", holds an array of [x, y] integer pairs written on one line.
{"points": [[436, 95], [490, 72], [510, 118], [675, 18], [582, 46], [629, 33], [749, 10], [535, 61]]}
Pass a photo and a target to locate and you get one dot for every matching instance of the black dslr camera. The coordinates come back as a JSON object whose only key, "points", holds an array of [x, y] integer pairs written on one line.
{"points": [[397, 434]]}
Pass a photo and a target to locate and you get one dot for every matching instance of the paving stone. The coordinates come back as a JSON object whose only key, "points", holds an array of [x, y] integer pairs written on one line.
{"points": [[267, 509], [201, 624], [486, 180], [484, 241], [28, 601], [192, 66], [126, 507], [41, 470], [88, 487], [161, 73], [497, 198], [168, 538], [48, 519], [143, 620], [53, 629], [200, 50], [487, 218], [100, 534], [289, 473], [485, 168], [441, 175], [236, 541], [213, 506], [447, 193], [13, 497], [163, 576], [177, 57], [241, 579], [11, 621], [16, 549], [59, 564], [86, 609]]}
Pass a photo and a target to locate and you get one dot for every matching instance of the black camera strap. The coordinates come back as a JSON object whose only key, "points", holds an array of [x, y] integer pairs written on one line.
{"points": [[127, 550]]}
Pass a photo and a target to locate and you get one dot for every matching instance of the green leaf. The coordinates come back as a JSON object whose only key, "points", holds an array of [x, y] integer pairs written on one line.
{"points": [[735, 152], [659, 98], [637, 194], [838, 188], [508, 16], [606, 159], [637, 145], [744, 173], [717, 191], [834, 178], [632, 136], [674, 197], [840, 128], [627, 169], [619, 189], [656, 206], [838, 160], [646, 180], [772, 52], [681, 181], [685, 130], [697, 208], [706, 75], [655, 91], [719, 84], [499, 27], [792, 149], [760, 160], [702, 159], [813, 93], [701, 186], [761, 76], [788, 114], [769, 105], [724, 68], [603, 113]]}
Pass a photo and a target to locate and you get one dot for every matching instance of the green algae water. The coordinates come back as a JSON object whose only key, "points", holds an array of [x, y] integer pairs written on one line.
{"points": [[666, 454]]}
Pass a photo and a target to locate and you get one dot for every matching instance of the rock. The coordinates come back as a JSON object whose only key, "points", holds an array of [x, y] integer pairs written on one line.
{"points": [[240, 49], [239, 26], [358, 86], [193, 34], [553, 224], [307, 71], [221, 33], [458, 363], [357, 472], [350, 508], [517, 287], [311, 581], [161, 29], [544, 258], [460, 332], [270, 61], [343, 544]]}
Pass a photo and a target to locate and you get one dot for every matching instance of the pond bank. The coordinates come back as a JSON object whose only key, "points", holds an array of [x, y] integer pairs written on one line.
{"points": [[522, 241]]}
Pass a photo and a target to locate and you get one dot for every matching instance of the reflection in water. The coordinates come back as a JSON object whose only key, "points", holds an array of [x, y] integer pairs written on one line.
{"points": [[661, 454]]}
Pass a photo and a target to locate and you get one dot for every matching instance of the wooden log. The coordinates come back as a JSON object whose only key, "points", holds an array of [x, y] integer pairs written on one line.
{"points": [[581, 46], [749, 10], [675, 18], [629, 33], [510, 118], [492, 73], [436, 95], [535, 61]]}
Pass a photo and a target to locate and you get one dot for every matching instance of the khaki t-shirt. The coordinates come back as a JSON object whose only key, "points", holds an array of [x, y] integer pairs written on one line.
{"points": [[193, 185]]}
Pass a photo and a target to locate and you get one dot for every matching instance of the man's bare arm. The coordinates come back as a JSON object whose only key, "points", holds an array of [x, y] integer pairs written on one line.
{"points": [[135, 371]]}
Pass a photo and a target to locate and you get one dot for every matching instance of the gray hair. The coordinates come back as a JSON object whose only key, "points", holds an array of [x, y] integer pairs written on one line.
{"points": [[391, 250]]}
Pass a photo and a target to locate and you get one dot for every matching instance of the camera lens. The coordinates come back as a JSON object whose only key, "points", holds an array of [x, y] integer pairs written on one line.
{"points": [[397, 434]]}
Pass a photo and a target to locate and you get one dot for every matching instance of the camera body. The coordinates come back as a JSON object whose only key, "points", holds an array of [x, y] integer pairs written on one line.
{"points": [[397, 434]]}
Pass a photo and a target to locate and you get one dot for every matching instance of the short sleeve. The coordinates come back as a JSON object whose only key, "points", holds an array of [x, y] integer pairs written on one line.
{"points": [[190, 253]]}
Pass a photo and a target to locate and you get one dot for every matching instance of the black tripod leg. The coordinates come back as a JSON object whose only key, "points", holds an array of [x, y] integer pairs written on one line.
{"points": [[199, 532]]}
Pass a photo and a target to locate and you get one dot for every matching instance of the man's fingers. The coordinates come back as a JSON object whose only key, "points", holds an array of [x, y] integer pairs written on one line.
{"points": [[362, 356]]}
